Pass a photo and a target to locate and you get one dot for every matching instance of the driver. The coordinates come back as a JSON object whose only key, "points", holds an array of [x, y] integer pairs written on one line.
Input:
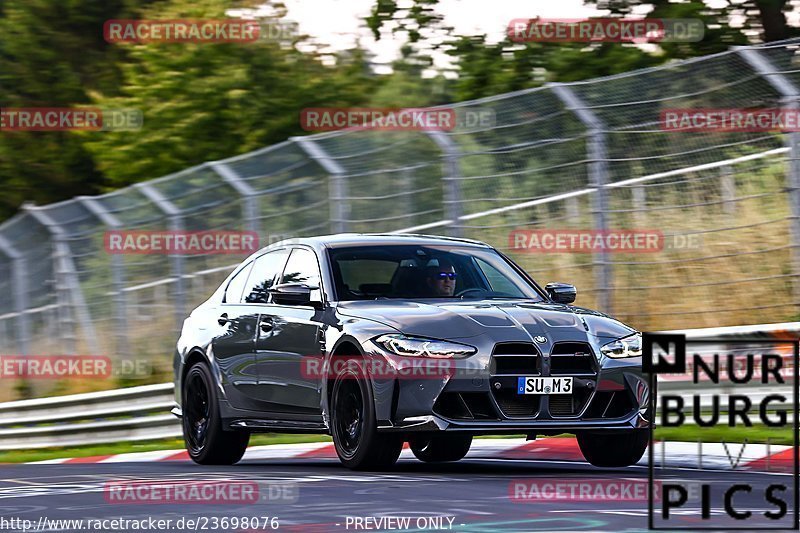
{"points": [[440, 278]]}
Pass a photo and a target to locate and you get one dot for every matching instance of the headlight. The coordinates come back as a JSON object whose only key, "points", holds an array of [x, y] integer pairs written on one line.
{"points": [[630, 346], [421, 347]]}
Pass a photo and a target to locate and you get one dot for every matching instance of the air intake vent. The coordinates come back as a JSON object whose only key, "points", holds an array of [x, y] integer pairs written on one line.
{"points": [[611, 404], [465, 406]]}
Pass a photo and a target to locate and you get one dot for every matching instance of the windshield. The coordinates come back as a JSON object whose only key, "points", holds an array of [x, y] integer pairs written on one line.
{"points": [[404, 271]]}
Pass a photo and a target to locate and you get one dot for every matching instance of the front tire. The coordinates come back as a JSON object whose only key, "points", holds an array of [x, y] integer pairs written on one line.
{"points": [[613, 449], [440, 448], [353, 424], [205, 439]]}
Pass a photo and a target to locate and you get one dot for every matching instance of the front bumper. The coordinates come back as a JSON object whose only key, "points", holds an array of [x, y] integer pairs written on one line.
{"points": [[609, 395], [433, 423]]}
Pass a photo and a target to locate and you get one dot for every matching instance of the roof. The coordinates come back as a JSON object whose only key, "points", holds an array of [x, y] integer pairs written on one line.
{"points": [[355, 239]]}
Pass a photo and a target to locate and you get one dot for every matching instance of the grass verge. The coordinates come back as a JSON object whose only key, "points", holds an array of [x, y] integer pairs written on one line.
{"points": [[26, 456], [755, 434]]}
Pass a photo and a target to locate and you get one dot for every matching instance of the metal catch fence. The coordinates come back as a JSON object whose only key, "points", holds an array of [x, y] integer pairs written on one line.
{"points": [[584, 155]]}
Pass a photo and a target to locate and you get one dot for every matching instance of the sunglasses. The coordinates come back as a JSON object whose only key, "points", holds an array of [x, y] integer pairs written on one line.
{"points": [[446, 275]]}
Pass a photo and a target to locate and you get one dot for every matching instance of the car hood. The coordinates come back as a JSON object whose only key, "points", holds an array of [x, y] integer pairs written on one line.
{"points": [[508, 320]]}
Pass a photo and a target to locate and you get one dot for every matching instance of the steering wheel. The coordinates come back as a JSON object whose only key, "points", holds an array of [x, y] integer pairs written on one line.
{"points": [[461, 294]]}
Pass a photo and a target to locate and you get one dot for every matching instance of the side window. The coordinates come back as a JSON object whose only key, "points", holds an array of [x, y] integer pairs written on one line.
{"points": [[303, 268], [233, 294], [265, 269]]}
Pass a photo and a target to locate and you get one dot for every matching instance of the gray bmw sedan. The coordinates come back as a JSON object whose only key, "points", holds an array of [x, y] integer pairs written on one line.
{"points": [[379, 340]]}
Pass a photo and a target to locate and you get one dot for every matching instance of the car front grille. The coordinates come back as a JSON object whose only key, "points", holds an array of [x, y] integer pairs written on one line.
{"points": [[515, 405], [572, 359], [516, 358], [570, 405], [520, 359], [562, 405]]}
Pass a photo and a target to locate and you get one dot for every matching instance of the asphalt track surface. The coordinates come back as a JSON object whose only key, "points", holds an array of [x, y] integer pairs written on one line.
{"points": [[474, 493]]}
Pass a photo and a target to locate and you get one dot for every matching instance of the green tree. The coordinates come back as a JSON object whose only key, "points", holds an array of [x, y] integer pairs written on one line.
{"points": [[209, 101], [483, 68], [766, 18], [200, 101], [52, 54], [413, 19]]}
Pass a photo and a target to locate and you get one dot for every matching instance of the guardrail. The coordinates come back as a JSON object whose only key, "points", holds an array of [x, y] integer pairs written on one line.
{"points": [[130, 414], [143, 413]]}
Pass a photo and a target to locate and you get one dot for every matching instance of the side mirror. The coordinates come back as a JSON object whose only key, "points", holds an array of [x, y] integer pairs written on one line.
{"points": [[563, 293], [292, 294]]}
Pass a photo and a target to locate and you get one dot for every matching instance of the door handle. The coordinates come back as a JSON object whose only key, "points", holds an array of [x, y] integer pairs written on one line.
{"points": [[266, 325], [223, 319]]}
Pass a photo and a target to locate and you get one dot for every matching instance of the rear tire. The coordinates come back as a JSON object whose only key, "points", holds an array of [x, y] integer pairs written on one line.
{"points": [[353, 424], [613, 449], [205, 439], [440, 448]]}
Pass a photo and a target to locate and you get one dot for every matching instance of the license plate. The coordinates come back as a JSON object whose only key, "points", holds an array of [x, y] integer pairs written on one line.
{"points": [[544, 385]]}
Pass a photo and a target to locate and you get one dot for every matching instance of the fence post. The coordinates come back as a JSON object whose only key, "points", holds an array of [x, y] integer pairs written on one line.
{"points": [[337, 190], [248, 194], [406, 186], [790, 98], [452, 180], [598, 178], [117, 275], [728, 185], [573, 209], [175, 223], [20, 294], [64, 268], [639, 196]]}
